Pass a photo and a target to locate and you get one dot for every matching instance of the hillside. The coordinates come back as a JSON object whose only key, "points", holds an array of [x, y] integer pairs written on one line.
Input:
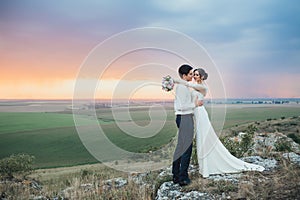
{"points": [[288, 126], [280, 180]]}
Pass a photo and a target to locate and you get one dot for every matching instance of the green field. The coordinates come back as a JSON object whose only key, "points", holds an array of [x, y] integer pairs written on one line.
{"points": [[236, 116], [53, 140]]}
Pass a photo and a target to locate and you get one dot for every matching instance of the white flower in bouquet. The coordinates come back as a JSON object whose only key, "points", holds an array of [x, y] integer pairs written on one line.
{"points": [[167, 83]]}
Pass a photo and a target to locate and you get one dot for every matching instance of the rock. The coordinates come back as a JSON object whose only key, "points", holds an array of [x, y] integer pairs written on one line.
{"points": [[195, 195], [58, 198], [166, 172], [138, 178], [67, 190], [116, 182], [169, 190], [193, 169], [268, 164], [145, 180], [39, 198], [35, 185], [87, 186], [240, 135], [3, 196], [233, 178], [293, 157], [268, 140]]}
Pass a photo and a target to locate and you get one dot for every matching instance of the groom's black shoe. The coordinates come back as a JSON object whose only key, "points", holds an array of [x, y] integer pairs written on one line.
{"points": [[175, 180], [185, 182]]}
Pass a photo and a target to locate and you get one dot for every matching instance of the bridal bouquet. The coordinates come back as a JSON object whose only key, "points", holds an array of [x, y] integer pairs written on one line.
{"points": [[167, 83]]}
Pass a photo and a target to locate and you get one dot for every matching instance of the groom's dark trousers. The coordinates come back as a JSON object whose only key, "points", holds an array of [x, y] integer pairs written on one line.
{"points": [[183, 151]]}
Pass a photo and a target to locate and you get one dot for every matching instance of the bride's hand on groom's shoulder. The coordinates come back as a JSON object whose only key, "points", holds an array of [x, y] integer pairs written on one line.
{"points": [[180, 81]]}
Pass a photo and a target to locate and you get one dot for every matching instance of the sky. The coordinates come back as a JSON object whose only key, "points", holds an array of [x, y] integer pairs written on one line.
{"points": [[255, 46]]}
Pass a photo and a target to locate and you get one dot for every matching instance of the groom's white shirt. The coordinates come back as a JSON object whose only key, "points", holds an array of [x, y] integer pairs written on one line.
{"points": [[183, 103]]}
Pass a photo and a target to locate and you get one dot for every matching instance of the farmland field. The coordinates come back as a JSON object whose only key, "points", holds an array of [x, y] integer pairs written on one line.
{"points": [[53, 140]]}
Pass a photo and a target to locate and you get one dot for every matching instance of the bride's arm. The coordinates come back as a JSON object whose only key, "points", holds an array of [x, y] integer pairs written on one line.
{"points": [[199, 87]]}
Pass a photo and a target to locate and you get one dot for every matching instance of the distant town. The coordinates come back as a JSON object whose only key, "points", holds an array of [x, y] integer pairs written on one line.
{"points": [[256, 101], [120, 103], [85, 104]]}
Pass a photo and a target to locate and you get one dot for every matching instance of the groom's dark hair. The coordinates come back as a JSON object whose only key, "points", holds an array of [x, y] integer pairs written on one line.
{"points": [[184, 70]]}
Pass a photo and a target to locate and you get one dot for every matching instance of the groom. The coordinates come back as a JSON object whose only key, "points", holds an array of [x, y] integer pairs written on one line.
{"points": [[184, 107]]}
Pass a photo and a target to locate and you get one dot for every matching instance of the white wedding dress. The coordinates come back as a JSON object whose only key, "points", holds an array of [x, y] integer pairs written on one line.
{"points": [[213, 157]]}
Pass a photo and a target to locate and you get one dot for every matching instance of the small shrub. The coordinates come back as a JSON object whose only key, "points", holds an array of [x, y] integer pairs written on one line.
{"points": [[67, 182], [16, 164], [296, 138], [194, 157], [246, 143], [85, 173], [234, 133], [233, 146], [251, 129], [239, 148], [283, 144]]}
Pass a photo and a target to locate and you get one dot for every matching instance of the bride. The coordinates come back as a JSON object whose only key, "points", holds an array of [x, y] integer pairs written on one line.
{"points": [[213, 157]]}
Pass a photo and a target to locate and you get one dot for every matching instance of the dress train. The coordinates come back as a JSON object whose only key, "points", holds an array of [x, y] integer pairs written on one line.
{"points": [[213, 157]]}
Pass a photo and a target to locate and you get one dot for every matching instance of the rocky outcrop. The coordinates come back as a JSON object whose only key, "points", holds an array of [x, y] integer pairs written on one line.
{"points": [[169, 190], [116, 182], [267, 142], [160, 184], [268, 164], [293, 157]]}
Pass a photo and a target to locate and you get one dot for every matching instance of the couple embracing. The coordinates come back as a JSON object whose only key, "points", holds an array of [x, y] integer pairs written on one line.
{"points": [[191, 115]]}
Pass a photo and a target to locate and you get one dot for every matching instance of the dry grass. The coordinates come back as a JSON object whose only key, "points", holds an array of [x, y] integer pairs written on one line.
{"points": [[89, 182], [282, 183]]}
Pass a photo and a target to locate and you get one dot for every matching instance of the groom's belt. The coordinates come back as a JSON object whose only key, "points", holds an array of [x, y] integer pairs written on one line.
{"points": [[185, 114]]}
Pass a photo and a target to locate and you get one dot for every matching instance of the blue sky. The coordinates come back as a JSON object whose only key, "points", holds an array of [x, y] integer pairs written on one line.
{"points": [[255, 44]]}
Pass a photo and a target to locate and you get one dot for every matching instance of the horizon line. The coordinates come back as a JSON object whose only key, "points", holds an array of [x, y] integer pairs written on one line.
{"points": [[139, 99]]}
